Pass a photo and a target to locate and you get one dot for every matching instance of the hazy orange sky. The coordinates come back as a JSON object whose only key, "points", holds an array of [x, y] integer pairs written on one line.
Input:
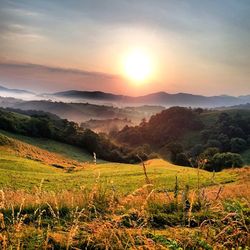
{"points": [[195, 46]]}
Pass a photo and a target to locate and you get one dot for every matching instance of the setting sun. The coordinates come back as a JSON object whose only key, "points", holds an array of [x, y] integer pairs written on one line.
{"points": [[138, 66]]}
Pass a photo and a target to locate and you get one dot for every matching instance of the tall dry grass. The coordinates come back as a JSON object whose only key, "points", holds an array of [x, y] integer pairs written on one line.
{"points": [[214, 217]]}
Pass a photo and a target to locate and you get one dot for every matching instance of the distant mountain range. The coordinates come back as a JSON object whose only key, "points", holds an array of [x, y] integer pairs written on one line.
{"points": [[14, 91], [159, 98]]}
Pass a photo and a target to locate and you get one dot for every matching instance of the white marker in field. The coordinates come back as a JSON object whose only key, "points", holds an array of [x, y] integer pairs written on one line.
{"points": [[94, 156]]}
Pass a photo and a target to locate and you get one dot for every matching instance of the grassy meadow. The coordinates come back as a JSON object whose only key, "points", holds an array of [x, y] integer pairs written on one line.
{"points": [[67, 202], [25, 173]]}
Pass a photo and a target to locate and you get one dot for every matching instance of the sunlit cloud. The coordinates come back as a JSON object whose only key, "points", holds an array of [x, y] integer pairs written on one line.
{"points": [[21, 12], [56, 78], [15, 31]]}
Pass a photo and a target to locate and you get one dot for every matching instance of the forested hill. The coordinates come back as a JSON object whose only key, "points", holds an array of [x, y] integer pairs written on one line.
{"points": [[186, 137], [161, 128]]}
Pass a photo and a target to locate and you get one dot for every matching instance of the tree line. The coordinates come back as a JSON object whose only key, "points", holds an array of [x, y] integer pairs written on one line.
{"points": [[46, 125]]}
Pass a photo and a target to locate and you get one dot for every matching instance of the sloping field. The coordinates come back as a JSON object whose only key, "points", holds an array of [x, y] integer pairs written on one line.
{"points": [[63, 149], [19, 172], [29, 151]]}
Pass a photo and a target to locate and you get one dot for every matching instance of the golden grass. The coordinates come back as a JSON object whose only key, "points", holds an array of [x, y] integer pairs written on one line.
{"points": [[35, 153], [91, 228], [100, 217]]}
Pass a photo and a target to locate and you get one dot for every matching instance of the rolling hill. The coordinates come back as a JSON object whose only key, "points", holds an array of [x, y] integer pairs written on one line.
{"points": [[26, 164]]}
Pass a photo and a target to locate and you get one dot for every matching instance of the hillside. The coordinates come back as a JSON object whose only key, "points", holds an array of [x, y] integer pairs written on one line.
{"points": [[20, 169], [115, 202], [48, 153], [66, 150], [240, 106], [22, 156], [178, 134]]}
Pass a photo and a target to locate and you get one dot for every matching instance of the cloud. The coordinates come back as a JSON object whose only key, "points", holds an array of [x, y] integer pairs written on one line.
{"points": [[17, 32], [21, 12], [42, 77], [30, 66]]}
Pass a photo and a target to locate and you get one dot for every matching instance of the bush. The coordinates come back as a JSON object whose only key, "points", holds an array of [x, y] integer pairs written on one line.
{"points": [[182, 160], [226, 160], [4, 140]]}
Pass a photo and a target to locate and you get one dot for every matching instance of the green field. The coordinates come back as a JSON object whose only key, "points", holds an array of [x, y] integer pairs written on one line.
{"points": [[17, 172]]}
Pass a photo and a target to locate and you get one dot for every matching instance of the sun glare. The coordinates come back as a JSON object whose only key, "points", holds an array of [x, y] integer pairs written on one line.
{"points": [[137, 66]]}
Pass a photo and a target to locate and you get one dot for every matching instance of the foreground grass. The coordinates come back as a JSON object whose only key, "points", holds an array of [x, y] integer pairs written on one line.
{"points": [[215, 217]]}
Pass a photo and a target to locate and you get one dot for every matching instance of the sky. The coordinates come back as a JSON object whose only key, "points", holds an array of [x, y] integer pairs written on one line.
{"points": [[194, 46]]}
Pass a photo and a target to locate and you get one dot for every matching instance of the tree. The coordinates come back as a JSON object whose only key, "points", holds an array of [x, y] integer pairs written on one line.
{"points": [[209, 153], [225, 142], [213, 143], [207, 157], [238, 145], [205, 134], [197, 150], [224, 118], [198, 110], [174, 149], [235, 131], [182, 160], [226, 160]]}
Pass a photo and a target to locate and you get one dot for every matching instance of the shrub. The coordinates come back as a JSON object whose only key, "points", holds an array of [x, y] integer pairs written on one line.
{"points": [[4, 140], [226, 160], [182, 160]]}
